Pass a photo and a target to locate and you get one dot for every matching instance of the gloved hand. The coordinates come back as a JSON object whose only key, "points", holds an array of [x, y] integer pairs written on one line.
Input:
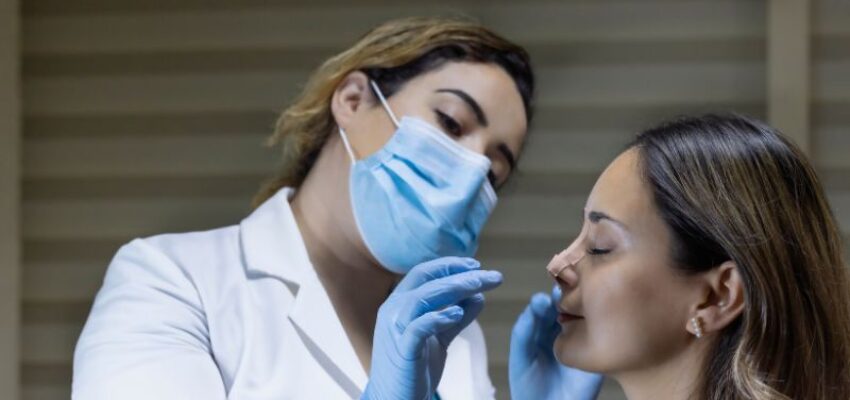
{"points": [[533, 371], [428, 308]]}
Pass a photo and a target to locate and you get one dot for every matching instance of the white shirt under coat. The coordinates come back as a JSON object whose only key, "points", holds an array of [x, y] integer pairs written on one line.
{"points": [[233, 313]]}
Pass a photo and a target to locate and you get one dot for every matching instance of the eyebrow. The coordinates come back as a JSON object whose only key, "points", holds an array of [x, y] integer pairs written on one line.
{"points": [[482, 120], [476, 108], [596, 216]]}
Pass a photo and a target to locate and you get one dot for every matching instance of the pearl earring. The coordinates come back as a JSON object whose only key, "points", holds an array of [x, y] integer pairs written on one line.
{"points": [[695, 323]]}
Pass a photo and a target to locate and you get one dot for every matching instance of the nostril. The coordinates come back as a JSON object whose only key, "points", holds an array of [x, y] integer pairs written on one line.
{"points": [[567, 278], [556, 271]]}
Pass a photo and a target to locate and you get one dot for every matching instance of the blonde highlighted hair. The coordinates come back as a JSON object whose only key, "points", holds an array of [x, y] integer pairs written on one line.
{"points": [[733, 188], [390, 54]]}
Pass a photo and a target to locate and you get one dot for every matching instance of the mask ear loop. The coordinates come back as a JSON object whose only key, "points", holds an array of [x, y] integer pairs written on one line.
{"points": [[384, 102], [348, 148], [386, 107]]}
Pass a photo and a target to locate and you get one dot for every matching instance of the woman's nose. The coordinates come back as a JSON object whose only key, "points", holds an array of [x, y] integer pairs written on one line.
{"points": [[562, 266]]}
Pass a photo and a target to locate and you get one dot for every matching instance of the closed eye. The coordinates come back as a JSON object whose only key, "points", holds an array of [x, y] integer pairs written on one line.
{"points": [[595, 251], [448, 123]]}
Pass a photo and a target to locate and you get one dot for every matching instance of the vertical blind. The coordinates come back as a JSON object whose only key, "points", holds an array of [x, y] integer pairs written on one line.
{"points": [[148, 117]]}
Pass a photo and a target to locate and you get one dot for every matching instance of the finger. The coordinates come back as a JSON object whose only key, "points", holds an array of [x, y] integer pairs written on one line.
{"points": [[523, 348], [450, 290], [541, 304], [546, 312], [472, 307], [543, 307], [430, 324], [435, 269], [534, 335]]}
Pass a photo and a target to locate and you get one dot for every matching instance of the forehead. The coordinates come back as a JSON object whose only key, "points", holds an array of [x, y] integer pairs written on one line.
{"points": [[490, 86], [622, 193]]}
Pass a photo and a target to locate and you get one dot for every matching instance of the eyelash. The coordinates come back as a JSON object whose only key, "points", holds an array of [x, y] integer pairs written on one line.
{"points": [[453, 127], [450, 124], [598, 252]]}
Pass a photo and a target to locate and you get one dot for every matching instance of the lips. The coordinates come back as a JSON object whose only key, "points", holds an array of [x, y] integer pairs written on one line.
{"points": [[566, 316]]}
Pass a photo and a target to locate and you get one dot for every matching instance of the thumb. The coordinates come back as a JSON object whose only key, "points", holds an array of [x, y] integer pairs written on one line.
{"points": [[524, 335], [545, 310]]}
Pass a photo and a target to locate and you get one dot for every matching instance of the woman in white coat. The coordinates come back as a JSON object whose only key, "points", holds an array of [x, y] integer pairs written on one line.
{"points": [[390, 159]]}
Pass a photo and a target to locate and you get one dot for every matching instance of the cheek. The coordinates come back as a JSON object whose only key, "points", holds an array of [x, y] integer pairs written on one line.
{"points": [[370, 132], [632, 318]]}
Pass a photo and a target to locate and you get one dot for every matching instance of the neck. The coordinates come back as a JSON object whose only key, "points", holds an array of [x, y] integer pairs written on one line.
{"points": [[356, 284], [676, 379]]}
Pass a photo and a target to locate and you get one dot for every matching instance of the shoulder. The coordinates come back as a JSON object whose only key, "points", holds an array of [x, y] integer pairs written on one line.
{"points": [[192, 248], [180, 260]]}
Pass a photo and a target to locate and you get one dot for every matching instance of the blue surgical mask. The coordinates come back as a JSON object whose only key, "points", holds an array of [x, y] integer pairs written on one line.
{"points": [[422, 196]]}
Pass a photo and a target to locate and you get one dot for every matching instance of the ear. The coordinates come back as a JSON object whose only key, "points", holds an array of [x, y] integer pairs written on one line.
{"points": [[349, 97], [722, 302]]}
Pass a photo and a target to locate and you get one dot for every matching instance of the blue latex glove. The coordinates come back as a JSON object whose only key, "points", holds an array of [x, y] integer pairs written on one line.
{"points": [[533, 371], [428, 308]]}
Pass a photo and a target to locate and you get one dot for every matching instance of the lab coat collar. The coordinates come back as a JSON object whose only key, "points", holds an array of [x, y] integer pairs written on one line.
{"points": [[273, 245], [271, 242]]}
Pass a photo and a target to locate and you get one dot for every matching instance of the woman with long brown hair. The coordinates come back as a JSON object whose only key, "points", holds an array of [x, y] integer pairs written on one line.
{"points": [[709, 267]]}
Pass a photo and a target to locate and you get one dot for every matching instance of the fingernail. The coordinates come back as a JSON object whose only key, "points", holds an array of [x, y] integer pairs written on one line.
{"points": [[493, 275], [455, 313], [539, 297]]}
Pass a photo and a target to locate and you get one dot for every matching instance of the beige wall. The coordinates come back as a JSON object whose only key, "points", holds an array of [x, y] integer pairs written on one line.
{"points": [[148, 117]]}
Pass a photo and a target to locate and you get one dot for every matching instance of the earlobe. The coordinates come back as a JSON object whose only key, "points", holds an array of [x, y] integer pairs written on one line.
{"points": [[723, 303], [696, 327], [348, 97]]}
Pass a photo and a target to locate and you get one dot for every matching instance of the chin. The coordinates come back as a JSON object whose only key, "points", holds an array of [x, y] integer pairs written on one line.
{"points": [[573, 351]]}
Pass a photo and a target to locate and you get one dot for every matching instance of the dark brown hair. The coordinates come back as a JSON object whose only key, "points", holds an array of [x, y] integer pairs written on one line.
{"points": [[732, 188]]}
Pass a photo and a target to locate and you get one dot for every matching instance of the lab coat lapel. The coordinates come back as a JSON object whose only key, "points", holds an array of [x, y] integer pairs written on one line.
{"points": [[273, 246], [318, 324]]}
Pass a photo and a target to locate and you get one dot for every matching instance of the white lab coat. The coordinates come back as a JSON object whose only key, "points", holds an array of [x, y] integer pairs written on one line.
{"points": [[233, 313]]}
